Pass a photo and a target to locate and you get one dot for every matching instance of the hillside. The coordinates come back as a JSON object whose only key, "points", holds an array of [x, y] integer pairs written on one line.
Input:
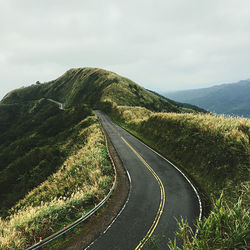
{"points": [[93, 86], [29, 123], [214, 152], [54, 163], [27, 119], [51, 159], [231, 99]]}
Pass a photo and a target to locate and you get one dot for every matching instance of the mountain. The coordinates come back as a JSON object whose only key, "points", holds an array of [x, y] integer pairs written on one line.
{"points": [[231, 99], [33, 130], [54, 163], [183, 105], [92, 86]]}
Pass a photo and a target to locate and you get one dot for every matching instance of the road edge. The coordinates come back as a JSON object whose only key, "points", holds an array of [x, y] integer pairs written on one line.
{"points": [[99, 223]]}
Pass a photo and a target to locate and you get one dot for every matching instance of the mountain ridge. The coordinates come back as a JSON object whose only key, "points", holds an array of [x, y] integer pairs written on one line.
{"points": [[230, 98], [54, 163], [93, 86], [28, 120]]}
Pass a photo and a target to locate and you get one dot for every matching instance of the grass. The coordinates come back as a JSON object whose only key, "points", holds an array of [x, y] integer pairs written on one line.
{"points": [[31, 145], [82, 180], [72, 170], [226, 227], [94, 87], [214, 151], [44, 158]]}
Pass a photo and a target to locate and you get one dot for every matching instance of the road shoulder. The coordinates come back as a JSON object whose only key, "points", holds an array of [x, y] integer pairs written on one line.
{"points": [[84, 234]]}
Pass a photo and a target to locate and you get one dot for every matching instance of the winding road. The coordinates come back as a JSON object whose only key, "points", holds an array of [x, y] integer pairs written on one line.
{"points": [[159, 194], [61, 105]]}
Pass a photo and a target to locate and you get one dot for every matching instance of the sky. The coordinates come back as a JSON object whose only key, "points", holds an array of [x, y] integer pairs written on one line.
{"points": [[163, 45]]}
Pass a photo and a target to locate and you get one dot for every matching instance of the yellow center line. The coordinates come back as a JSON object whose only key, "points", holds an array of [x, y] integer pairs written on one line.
{"points": [[162, 203]]}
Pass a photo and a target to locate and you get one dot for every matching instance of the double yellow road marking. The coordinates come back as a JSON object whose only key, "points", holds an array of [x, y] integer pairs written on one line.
{"points": [[162, 203]]}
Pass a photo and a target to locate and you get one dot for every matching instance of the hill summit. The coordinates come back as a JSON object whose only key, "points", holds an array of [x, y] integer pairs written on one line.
{"points": [[54, 162], [33, 130], [93, 86]]}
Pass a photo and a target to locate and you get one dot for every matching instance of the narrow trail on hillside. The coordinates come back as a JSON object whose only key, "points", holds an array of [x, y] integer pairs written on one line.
{"points": [[61, 105], [160, 194]]}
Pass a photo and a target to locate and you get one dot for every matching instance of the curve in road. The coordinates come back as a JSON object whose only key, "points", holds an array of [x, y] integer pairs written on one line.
{"points": [[61, 105], [162, 203], [160, 194]]}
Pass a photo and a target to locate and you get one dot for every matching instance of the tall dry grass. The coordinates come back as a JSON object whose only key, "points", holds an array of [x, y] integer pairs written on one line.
{"points": [[214, 151], [82, 180], [212, 148]]}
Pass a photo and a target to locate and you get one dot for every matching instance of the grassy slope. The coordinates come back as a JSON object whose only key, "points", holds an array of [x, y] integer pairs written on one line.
{"points": [[214, 151], [93, 86], [82, 180], [53, 164], [31, 147], [30, 125], [46, 155]]}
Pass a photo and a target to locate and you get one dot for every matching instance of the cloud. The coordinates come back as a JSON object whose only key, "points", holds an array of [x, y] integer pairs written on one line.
{"points": [[161, 44]]}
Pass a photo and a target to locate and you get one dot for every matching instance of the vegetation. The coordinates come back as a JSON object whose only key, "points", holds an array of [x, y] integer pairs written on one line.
{"points": [[226, 227], [214, 151], [32, 129], [80, 181], [94, 86], [53, 163], [31, 147]]}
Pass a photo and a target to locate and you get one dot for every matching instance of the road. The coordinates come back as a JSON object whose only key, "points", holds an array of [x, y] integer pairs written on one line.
{"points": [[61, 105], [159, 195]]}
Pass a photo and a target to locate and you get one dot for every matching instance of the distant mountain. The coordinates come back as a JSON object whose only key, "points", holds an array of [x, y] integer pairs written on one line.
{"points": [[231, 99], [183, 105]]}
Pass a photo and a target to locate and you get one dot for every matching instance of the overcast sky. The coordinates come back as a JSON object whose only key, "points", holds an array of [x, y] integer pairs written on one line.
{"points": [[162, 45]]}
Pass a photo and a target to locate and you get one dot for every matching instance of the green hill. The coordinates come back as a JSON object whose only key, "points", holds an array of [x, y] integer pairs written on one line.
{"points": [[93, 86], [29, 122], [31, 137], [214, 152], [54, 162], [42, 148]]}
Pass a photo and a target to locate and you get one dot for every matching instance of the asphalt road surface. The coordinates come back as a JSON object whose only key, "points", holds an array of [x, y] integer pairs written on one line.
{"points": [[159, 195]]}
